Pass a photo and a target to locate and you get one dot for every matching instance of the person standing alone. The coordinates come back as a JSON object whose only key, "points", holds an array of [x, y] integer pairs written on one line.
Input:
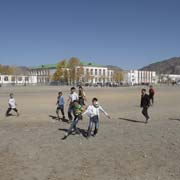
{"points": [[145, 103]]}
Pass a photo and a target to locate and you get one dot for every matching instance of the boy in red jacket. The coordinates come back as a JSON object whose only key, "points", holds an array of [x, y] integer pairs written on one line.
{"points": [[151, 95]]}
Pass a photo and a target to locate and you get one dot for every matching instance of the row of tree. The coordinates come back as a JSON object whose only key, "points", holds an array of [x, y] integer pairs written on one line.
{"points": [[67, 72], [12, 70]]}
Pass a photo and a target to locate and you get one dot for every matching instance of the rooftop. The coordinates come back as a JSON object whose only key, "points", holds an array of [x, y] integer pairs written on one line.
{"points": [[54, 66]]}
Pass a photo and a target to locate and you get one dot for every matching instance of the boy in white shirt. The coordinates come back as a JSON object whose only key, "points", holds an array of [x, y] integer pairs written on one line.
{"points": [[93, 113], [12, 105], [72, 97]]}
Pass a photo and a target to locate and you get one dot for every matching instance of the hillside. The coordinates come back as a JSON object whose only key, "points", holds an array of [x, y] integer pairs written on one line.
{"points": [[169, 66]]}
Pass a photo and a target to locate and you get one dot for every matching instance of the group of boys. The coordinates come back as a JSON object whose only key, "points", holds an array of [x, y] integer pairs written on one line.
{"points": [[76, 110]]}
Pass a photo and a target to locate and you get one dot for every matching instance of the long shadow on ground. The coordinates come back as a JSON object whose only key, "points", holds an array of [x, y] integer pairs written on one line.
{"points": [[174, 119], [56, 118], [131, 120], [78, 131]]}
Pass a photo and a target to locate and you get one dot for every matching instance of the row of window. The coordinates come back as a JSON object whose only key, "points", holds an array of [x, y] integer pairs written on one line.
{"points": [[97, 72], [13, 78]]}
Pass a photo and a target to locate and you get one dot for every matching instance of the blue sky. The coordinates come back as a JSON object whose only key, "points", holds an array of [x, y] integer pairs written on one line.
{"points": [[126, 33]]}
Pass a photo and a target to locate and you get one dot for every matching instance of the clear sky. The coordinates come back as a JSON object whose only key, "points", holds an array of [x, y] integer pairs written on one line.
{"points": [[126, 33]]}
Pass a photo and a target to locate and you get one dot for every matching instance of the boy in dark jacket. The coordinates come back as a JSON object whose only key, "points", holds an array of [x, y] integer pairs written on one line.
{"points": [[145, 103]]}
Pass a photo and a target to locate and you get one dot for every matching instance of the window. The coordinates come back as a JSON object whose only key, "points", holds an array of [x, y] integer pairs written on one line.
{"points": [[26, 79], [100, 72], [6, 78], [19, 78], [91, 71], [13, 78], [95, 71], [104, 72]]}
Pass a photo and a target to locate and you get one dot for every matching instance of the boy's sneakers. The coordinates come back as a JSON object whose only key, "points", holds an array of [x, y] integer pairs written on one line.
{"points": [[147, 120], [66, 135]]}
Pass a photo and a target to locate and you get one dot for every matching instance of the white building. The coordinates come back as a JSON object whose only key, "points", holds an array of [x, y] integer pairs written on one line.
{"points": [[136, 77], [169, 77], [17, 79], [43, 72], [93, 73], [96, 74]]}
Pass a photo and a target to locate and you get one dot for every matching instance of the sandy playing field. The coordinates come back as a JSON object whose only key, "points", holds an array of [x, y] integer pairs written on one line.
{"points": [[125, 148]]}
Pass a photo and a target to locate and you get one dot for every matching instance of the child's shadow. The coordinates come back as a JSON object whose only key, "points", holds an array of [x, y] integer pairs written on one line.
{"points": [[131, 120], [174, 119], [9, 115], [79, 131], [58, 119]]}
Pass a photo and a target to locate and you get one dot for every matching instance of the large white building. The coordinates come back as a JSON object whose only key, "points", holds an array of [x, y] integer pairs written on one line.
{"points": [[136, 77], [17, 79], [93, 73]]}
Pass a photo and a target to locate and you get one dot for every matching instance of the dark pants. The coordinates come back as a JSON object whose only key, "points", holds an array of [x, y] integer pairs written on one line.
{"points": [[73, 125], [145, 112], [151, 98], [60, 108], [9, 110], [70, 112], [93, 121], [81, 101]]}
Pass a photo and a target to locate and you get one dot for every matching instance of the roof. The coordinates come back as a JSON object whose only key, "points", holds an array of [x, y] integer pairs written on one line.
{"points": [[54, 66], [45, 66], [92, 64]]}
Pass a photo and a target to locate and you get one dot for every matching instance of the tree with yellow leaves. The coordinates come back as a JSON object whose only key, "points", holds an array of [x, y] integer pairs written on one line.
{"points": [[58, 75], [72, 64], [117, 76]]}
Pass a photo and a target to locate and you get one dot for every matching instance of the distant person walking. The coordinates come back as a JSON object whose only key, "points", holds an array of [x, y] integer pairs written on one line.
{"points": [[82, 96], [72, 97], [151, 95], [93, 112], [60, 105], [12, 105], [145, 103]]}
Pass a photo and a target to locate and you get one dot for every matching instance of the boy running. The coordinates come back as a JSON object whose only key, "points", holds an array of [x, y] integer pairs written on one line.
{"points": [[60, 105], [93, 112], [12, 105], [77, 111], [72, 97], [145, 103]]}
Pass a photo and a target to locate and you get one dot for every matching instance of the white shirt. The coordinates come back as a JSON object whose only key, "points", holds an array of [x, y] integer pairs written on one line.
{"points": [[93, 111], [73, 96], [12, 103]]}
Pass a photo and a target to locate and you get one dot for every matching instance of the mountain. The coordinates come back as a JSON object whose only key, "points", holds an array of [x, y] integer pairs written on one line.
{"points": [[169, 66]]}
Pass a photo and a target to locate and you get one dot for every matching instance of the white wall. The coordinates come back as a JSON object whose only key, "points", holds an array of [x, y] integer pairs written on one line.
{"points": [[12, 79], [138, 77]]}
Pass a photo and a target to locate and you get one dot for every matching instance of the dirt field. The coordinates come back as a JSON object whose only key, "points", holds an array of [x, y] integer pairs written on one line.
{"points": [[125, 148]]}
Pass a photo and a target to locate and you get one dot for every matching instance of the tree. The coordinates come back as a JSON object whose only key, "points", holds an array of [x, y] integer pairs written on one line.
{"points": [[58, 75], [117, 76], [66, 76], [87, 76], [79, 73], [72, 64]]}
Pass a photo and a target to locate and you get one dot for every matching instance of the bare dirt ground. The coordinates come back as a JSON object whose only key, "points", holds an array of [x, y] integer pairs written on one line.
{"points": [[125, 148]]}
